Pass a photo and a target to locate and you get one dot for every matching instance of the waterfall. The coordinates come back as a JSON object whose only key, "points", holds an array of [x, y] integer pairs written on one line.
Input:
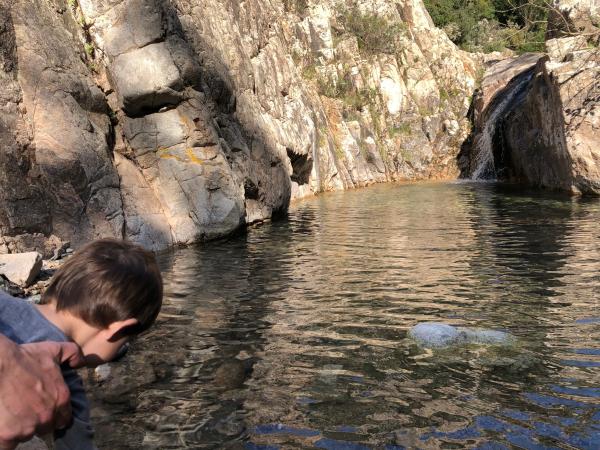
{"points": [[484, 148]]}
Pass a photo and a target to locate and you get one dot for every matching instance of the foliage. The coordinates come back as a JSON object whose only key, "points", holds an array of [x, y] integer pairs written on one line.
{"points": [[490, 25], [403, 129], [297, 6], [375, 34], [334, 88], [89, 49], [343, 89]]}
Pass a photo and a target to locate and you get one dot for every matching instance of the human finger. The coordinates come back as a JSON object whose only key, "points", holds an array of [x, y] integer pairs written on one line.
{"points": [[61, 352]]}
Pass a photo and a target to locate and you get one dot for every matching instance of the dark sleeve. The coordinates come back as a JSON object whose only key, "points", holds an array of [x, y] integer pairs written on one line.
{"points": [[79, 435]]}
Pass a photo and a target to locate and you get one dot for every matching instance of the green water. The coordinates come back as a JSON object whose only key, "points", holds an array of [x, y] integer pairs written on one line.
{"points": [[294, 334]]}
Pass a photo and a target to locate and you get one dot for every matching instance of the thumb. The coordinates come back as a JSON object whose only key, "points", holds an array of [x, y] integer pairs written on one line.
{"points": [[71, 353]]}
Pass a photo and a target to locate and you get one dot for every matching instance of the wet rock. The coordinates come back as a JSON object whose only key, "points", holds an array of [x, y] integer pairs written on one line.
{"points": [[438, 335], [232, 374], [21, 268], [433, 334]]}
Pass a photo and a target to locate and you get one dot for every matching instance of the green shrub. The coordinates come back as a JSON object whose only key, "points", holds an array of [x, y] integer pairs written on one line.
{"points": [[375, 34], [334, 88], [490, 25], [403, 129], [89, 49]]}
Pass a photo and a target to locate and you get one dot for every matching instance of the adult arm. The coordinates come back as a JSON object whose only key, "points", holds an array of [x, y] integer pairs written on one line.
{"points": [[34, 398]]}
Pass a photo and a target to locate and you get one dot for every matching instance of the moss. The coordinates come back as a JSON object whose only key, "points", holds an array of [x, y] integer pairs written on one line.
{"points": [[339, 152], [309, 72], [72, 4], [407, 155], [444, 96], [334, 88], [377, 131], [402, 129], [89, 49], [426, 111], [359, 99]]}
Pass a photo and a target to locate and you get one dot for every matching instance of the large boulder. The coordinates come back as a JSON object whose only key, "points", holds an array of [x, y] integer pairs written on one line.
{"points": [[552, 134], [21, 268]]}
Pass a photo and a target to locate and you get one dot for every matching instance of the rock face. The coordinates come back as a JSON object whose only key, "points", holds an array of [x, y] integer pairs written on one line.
{"points": [[537, 118], [170, 122], [552, 137]]}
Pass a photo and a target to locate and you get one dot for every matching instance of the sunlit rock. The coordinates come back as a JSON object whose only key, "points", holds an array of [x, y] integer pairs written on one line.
{"points": [[437, 335]]}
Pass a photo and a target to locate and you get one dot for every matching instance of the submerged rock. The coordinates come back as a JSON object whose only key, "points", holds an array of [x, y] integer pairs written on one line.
{"points": [[438, 334]]}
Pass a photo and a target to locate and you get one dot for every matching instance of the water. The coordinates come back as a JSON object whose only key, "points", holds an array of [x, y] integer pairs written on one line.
{"points": [[484, 149], [294, 335]]}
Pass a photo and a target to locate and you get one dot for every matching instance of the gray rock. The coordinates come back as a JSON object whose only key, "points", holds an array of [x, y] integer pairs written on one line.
{"points": [[34, 444], [21, 268], [439, 335], [155, 131], [129, 25], [146, 78], [435, 334]]}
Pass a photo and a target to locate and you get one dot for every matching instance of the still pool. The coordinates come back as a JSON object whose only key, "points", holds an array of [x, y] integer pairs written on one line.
{"points": [[294, 334]]}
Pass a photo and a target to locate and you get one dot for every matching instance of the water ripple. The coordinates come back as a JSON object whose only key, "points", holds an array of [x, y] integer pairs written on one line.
{"points": [[295, 334]]}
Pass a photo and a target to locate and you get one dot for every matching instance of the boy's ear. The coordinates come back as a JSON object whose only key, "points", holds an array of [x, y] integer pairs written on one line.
{"points": [[115, 328]]}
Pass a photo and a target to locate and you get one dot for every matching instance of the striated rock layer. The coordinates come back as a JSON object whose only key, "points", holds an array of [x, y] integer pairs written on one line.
{"points": [[171, 122]]}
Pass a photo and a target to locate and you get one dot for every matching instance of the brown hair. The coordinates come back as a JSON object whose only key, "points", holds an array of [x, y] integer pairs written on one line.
{"points": [[106, 281]]}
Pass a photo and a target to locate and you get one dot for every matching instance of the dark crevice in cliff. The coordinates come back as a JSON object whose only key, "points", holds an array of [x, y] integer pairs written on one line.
{"points": [[301, 166]]}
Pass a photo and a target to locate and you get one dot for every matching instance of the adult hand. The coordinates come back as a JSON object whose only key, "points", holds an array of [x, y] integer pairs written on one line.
{"points": [[34, 398]]}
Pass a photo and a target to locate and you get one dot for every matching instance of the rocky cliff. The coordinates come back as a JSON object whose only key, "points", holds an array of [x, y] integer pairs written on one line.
{"points": [[537, 117], [170, 122]]}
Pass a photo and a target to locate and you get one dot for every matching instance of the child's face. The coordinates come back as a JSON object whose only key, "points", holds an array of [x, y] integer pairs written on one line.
{"points": [[102, 348]]}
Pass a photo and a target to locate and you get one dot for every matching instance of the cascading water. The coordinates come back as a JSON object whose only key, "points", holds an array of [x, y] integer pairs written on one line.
{"points": [[483, 163]]}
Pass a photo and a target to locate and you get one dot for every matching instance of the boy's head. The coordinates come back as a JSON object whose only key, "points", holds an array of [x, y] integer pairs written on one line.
{"points": [[115, 290]]}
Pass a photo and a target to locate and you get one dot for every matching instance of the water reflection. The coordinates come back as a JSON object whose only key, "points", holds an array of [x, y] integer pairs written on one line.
{"points": [[294, 335]]}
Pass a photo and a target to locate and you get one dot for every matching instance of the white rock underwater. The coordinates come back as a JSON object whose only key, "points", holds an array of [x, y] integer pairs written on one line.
{"points": [[439, 335]]}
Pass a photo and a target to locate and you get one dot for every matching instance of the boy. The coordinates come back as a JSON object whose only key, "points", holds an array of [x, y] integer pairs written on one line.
{"points": [[107, 292]]}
